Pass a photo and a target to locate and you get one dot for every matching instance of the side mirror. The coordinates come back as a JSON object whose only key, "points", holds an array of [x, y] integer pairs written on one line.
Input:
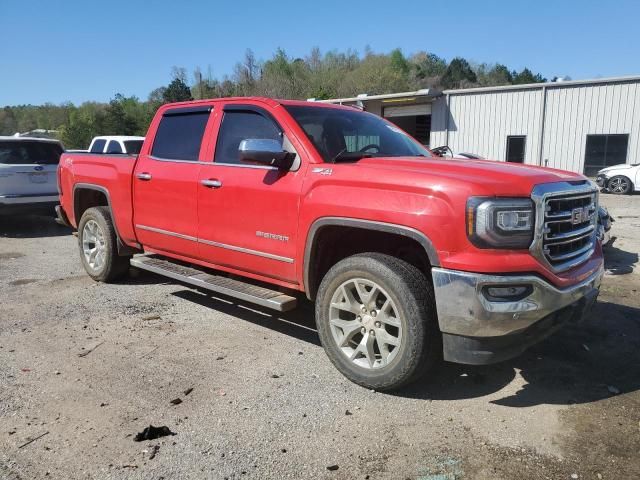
{"points": [[265, 152]]}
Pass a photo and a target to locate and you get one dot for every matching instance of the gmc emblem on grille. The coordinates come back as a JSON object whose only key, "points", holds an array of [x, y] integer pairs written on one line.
{"points": [[580, 215]]}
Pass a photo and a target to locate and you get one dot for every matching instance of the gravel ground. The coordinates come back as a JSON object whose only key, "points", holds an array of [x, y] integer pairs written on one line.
{"points": [[90, 365]]}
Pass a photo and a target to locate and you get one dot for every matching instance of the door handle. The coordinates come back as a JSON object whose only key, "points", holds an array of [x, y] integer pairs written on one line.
{"points": [[211, 183], [144, 176]]}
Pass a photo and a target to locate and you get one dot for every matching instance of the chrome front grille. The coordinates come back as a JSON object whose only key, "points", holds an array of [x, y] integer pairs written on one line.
{"points": [[566, 223]]}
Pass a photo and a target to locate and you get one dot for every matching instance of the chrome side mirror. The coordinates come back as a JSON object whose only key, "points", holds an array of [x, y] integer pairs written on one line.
{"points": [[265, 152]]}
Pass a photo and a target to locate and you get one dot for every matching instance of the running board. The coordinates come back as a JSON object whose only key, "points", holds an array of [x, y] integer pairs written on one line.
{"points": [[215, 283]]}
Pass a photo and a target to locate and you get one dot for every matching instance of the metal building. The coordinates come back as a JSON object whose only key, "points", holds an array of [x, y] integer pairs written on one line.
{"points": [[580, 126]]}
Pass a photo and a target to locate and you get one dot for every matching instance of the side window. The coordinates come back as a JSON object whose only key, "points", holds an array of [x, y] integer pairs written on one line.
{"points": [[179, 135], [114, 147], [98, 146], [241, 125]]}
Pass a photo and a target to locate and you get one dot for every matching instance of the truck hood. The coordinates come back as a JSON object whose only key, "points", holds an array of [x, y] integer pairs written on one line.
{"points": [[494, 177]]}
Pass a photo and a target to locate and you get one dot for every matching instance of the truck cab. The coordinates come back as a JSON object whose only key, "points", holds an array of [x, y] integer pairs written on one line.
{"points": [[115, 144]]}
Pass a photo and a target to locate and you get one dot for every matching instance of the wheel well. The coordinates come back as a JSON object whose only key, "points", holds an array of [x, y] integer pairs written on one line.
{"points": [[334, 243], [85, 198]]}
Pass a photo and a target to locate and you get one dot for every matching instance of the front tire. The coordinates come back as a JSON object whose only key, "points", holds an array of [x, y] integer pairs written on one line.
{"points": [[98, 246], [619, 185], [377, 320]]}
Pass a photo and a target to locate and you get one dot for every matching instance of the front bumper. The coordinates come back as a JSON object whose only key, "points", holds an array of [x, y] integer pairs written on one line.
{"points": [[479, 330], [601, 180]]}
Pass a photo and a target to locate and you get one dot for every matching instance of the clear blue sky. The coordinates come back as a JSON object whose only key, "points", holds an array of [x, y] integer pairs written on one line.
{"points": [[55, 51]]}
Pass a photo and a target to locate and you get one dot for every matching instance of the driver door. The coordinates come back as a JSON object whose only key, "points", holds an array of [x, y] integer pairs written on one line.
{"points": [[248, 214]]}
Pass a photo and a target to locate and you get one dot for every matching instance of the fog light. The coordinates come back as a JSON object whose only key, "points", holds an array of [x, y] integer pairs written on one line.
{"points": [[510, 293]]}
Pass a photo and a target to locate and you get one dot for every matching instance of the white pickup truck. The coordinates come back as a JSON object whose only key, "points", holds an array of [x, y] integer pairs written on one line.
{"points": [[113, 144], [28, 181]]}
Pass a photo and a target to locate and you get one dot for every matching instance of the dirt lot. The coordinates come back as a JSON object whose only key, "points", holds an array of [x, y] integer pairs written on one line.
{"points": [[266, 402]]}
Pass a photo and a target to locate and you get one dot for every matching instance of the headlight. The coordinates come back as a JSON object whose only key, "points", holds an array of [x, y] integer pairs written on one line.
{"points": [[500, 222]]}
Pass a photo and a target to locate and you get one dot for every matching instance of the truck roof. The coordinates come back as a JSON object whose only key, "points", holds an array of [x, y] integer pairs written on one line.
{"points": [[121, 138], [28, 139], [266, 100]]}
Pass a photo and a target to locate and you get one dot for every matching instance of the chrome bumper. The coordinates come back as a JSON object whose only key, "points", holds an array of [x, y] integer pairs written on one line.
{"points": [[464, 308]]}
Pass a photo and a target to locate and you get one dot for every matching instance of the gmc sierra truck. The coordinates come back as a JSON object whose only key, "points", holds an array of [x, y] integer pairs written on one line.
{"points": [[409, 258]]}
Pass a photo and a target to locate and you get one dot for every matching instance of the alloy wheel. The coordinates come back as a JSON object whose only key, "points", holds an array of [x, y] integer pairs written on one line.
{"points": [[365, 323], [618, 185], [93, 245]]}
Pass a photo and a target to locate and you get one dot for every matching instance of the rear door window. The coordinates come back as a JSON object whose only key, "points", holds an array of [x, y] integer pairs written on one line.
{"points": [[98, 146], [114, 147], [180, 133], [133, 147], [28, 153]]}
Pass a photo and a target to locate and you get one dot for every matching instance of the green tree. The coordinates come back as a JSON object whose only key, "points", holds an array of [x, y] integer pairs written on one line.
{"points": [[490, 76], [84, 123], [177, 91], [527, 76], [8, 122], [398, 62], [123, 116], [458, 74]]}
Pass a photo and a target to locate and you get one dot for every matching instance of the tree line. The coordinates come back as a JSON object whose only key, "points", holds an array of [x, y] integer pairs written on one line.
{"points": [[318, 75]]}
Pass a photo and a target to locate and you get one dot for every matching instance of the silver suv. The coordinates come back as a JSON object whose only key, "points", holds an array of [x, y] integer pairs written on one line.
{"points": [[28, 180]]}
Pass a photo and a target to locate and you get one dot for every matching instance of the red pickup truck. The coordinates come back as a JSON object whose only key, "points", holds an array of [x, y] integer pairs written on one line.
{"points": [[408, 257]]}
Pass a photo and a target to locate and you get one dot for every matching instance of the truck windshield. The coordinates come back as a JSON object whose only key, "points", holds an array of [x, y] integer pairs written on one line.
{"points": [[343, 135]]}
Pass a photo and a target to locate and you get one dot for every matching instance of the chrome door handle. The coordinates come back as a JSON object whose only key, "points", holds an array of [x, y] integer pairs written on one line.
{"points": [[144, 176], [211, 183]]}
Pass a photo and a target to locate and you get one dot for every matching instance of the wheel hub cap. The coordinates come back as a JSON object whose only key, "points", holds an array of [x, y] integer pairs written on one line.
{"points": [[93, 245], [365, 324]]}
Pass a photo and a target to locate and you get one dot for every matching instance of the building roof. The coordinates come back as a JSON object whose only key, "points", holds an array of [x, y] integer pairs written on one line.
{"points": [[561, 84], [433, 93], [425, 92]]}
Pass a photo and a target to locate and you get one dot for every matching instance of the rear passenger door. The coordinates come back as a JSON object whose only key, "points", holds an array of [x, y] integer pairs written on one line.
{"points": [[165, 183], [248, 214]]}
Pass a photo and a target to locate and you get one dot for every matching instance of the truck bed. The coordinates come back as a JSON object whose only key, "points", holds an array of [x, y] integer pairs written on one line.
{"points": [[105, 173]]}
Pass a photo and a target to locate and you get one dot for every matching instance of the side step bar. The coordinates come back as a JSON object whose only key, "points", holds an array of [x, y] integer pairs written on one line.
{"points": [[216, 283]]}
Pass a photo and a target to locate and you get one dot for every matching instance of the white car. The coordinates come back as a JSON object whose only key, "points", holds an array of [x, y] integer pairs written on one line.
{"points": [[620, 179], [446, 152], [113, 144], [28, 178]]}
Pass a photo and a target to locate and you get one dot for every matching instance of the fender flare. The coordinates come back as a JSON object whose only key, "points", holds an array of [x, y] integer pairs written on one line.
{"points": [[123, 249], [393, 228]]}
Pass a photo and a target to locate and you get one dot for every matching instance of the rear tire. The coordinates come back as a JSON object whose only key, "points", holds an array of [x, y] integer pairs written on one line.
{"points": [[98, 246], [619, 185], [377, 321]]}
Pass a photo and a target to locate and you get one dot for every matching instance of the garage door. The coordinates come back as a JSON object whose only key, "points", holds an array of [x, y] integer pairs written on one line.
{"points": [[408, 110]]}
